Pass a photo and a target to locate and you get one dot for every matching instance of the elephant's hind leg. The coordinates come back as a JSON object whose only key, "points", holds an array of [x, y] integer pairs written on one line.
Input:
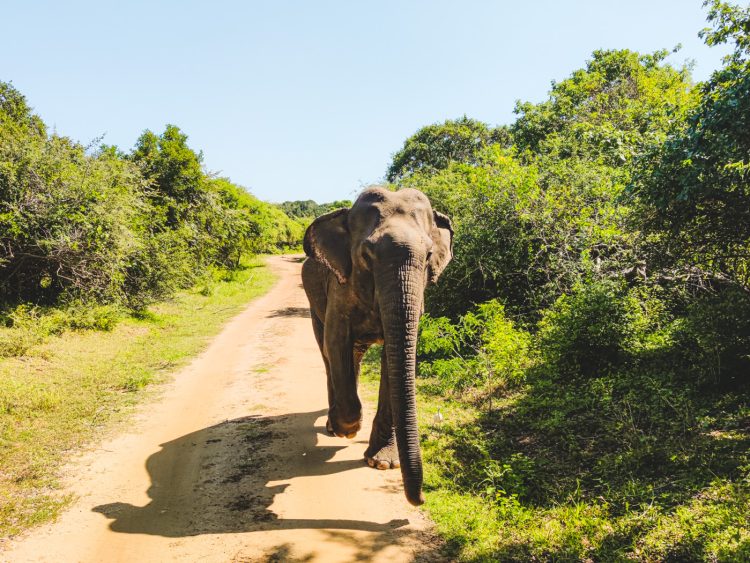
{"points": [[382, 452], [318, 329]]}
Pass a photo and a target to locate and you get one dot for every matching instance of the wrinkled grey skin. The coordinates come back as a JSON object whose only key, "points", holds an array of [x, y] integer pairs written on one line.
{"points": [[365, 275]]}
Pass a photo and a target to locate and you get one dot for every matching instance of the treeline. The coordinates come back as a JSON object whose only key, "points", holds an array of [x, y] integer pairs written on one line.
{"points": [[111, 227], [307, 210], [592, 335]]}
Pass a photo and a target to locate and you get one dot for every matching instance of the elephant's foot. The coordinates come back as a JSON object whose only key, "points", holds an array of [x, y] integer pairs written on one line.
{"points": [[384, 458], [351, 433]]}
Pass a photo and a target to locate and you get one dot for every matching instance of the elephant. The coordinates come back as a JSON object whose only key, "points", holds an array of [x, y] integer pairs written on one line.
{"points": [[365, 274]]}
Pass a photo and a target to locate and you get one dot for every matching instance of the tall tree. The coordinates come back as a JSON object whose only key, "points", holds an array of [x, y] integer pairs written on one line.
{"points": [[174, 170], [435, 146], [696, 185], [608, 111]]}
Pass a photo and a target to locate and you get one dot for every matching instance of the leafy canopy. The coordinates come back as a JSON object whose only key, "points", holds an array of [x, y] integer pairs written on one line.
{"points": [[535, 219], [434, 147]]}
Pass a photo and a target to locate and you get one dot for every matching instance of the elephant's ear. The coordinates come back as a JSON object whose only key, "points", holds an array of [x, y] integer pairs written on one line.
{"points": [[327, 239], [442, 245]]}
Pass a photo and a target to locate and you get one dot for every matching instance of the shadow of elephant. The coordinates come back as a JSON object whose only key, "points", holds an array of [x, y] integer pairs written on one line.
{"points": [[218, 480]]}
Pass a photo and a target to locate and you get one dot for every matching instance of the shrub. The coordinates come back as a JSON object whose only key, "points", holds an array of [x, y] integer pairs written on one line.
{"points": [[590, 330], [68, 221], [538, 215], [714, 338], [438, 337], [104, 227], [504, 349], [17, 342], [483, 348]]}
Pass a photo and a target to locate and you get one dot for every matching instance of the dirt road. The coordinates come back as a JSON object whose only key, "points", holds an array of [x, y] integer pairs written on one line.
{"points": [[233, 463]]}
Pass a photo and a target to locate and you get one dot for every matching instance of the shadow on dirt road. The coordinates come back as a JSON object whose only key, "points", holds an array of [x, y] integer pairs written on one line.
{"points": [[303, 312], [219, 480]]}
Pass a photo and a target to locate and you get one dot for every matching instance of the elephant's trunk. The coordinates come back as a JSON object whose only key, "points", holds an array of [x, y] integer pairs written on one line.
{"points": [[400, 287]]}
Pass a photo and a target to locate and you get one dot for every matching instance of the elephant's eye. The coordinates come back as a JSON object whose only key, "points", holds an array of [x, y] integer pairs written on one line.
{"points": [[429, 254], [367, 254]]}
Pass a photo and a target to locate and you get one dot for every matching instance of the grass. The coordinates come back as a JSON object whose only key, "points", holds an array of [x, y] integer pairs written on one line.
{"points": [[61, 391], [631, 465]]}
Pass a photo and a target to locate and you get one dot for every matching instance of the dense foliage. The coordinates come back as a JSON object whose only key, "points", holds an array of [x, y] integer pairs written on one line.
{"points": [[589, 344], [102, 226], [553, 201], [696, 186]]}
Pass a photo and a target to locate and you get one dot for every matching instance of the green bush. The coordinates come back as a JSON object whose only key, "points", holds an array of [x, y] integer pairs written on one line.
{"points": [[714, 338], [68, 221], [693, 189], [505, 350], [438, 337], [589, 331], [105, 227], [17, 342], [25, 326], [482, 348]]}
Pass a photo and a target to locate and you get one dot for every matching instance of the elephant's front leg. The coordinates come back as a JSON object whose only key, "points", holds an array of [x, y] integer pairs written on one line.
{"points": [[382, 452], [344, 406]]}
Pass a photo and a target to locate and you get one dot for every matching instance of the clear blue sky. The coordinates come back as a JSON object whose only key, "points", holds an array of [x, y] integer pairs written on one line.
{"points": [[302, 99]]}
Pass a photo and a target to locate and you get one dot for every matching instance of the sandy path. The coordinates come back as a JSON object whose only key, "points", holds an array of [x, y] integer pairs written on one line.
{"points": [[233, 464]]}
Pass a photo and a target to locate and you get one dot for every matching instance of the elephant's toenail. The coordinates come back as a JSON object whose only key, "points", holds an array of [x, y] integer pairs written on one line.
{"points": [[351, 435]]}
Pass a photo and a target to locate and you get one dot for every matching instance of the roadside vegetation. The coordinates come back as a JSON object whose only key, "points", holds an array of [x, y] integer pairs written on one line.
{"points": [[115, 267], [99, 225], [588, 348], [64, 391]]}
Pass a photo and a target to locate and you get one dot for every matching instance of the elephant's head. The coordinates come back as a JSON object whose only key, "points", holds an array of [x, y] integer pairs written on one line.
{"points": [[388, 246]]}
